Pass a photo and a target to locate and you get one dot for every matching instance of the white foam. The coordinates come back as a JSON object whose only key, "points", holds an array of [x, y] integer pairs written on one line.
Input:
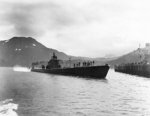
{"points": [[21, 69], [7, 108]]}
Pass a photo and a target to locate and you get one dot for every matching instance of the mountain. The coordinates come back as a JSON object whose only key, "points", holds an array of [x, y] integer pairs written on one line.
{"points": [[135, 56], [25, 50]]}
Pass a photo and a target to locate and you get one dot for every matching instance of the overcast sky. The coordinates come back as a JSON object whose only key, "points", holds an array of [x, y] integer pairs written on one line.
{"points": [[92, 28]]}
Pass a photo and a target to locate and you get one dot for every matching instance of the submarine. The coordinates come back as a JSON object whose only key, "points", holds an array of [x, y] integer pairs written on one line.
{"points": [[140, 67], [85, 69]]}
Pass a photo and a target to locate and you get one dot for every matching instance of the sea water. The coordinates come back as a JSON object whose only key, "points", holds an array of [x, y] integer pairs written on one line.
{"points": [[24, 93]]}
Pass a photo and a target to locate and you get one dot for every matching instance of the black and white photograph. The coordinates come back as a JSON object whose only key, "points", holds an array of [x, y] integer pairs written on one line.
{"points": [[74, 58]]}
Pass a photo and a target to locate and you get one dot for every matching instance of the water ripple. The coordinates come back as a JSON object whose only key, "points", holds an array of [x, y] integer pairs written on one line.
{"points": [[51, 95]]}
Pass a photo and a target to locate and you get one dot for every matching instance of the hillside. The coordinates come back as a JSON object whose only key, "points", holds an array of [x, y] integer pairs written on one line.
{"points": [[138, 55], [25, 50]]}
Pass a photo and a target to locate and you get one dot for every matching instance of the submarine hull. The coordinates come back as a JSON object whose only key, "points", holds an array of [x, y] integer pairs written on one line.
{"points": [[98, 72], [139, 70]]}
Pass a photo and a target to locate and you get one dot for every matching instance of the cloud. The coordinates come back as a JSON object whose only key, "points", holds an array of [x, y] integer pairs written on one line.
{"points": [[35, 18], [79, 27], [28, 19]]}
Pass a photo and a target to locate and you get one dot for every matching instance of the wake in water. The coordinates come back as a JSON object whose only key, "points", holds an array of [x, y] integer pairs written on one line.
{"points": [[7, 108], [21, 69]]}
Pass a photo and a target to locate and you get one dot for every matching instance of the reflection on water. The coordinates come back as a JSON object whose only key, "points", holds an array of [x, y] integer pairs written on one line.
{"points": [[39, 94]]}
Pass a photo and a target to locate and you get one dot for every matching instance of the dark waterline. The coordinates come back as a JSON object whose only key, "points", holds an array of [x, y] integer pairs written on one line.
{"points": [[38, 94]]}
